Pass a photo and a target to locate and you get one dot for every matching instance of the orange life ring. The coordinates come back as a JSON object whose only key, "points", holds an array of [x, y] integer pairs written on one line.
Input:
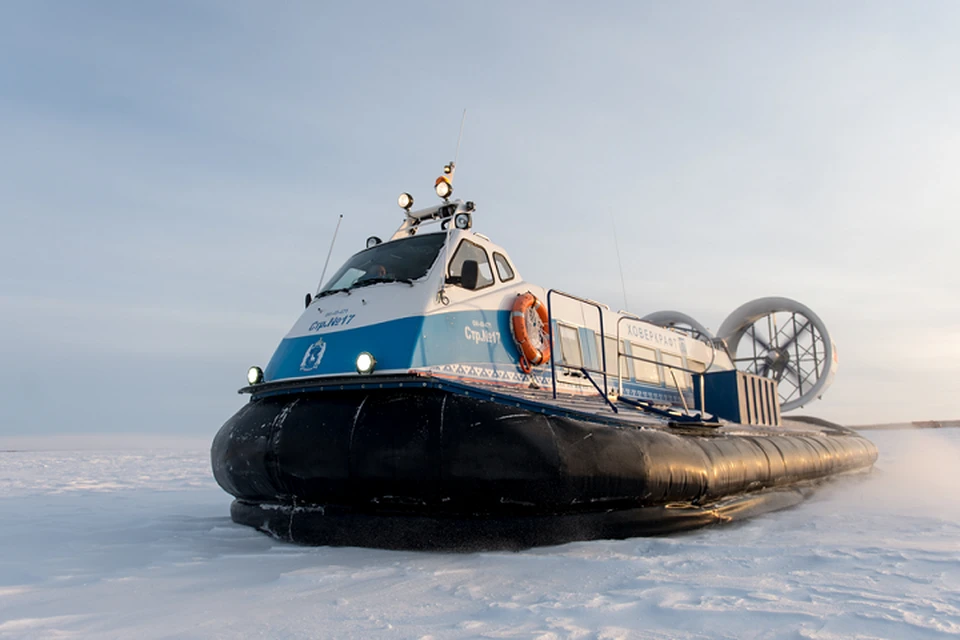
{"points": [[530, 326]]}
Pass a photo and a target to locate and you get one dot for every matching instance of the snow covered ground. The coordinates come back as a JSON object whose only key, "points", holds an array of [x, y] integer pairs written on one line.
{"points": [[137, 543]]}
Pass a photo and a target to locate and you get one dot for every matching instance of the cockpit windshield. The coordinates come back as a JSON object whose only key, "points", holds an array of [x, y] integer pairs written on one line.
{"points": [[397, 261]]}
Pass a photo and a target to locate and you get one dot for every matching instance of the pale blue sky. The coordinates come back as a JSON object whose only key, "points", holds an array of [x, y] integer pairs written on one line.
{"points": [[171, 174]]}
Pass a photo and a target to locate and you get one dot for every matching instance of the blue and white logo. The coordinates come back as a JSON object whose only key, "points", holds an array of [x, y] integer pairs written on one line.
{"points": [[313, 356]]}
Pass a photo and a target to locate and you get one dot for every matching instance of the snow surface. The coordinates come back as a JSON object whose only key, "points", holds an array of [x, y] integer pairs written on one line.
{"points": [[139, 544]]}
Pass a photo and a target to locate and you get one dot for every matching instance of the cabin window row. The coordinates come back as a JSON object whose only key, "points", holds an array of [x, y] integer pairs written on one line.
{"points": [[581, 347], [472, 251]]}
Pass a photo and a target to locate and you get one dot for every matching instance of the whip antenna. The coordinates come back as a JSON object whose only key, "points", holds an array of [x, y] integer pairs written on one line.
{"points": [[456, 156], [444, 184], [329, 253], [623, 285]]}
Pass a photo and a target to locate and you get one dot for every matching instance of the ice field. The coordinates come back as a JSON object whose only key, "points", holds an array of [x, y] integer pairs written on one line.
{"points": [[107, 538]]}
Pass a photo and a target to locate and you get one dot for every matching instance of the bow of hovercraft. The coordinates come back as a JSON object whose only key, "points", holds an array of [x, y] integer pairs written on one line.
{"points": [[404, 307], [429, 397]]}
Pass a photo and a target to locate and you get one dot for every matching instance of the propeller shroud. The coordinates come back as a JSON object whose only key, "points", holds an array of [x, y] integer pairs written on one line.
{"points": [[785, 340]]}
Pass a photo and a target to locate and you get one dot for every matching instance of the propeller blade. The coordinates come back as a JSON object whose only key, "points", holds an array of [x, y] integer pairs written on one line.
{"points": [[796, 376], [757, 339], [796, 334]]}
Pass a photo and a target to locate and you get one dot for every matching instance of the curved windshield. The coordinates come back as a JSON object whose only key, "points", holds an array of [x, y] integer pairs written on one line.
{"points": [[397, 261]]}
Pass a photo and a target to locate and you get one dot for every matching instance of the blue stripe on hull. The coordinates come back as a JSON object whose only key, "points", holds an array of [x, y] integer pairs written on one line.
{"points": [[417, 341], [391, 343], [463, 344], [466, 337]]}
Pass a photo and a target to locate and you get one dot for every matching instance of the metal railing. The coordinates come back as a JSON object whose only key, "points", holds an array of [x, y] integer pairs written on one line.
{"points": [[583, 369], [673, 368], [586, 371]]}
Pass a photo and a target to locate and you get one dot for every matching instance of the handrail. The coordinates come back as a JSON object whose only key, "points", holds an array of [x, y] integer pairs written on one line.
{"points": [[701, 419], [603, 350], [624, 316], [692, 372], [603, 346], [620, 354], [586, 373]]}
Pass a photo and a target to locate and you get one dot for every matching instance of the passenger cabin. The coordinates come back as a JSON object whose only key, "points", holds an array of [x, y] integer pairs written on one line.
{"points": [[438, 297]]}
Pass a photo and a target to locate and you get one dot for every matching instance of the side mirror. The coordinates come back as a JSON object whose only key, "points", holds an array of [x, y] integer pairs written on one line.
{"points": [[469, 274], [307, 300]]}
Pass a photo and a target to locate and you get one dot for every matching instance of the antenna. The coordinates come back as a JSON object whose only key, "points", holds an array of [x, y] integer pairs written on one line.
{"points": [[324, 272], [456, 156], [623, 285], [445, 190]]}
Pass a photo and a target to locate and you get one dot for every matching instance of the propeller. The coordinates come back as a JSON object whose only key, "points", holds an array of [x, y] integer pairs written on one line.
{"points": [[782, 339]]}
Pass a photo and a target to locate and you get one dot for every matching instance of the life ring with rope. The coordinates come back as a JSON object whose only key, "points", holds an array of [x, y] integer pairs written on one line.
{"points": [[530, 326]]}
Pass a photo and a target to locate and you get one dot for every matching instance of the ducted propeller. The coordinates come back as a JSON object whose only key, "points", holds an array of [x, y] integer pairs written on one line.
{"points": [[785, 340]]}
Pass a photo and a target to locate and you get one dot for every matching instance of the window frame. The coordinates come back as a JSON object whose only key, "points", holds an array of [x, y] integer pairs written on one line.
{"points": [[695, 365], [675, 364], [486, 255], [613, 357], [576, 332], [646, 364], [375, 254], [506, 261]]}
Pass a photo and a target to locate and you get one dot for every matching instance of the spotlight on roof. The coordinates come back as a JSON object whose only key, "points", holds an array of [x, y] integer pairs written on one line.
{"points": [[462, 221], [443, 187]]}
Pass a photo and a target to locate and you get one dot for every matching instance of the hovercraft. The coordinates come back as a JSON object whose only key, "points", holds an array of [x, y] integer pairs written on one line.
{"points": [[429, 397]]}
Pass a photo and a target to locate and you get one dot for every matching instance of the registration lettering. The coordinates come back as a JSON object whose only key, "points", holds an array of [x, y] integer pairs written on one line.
{"points": [[649, 335], [481, 335], [333, 321]]}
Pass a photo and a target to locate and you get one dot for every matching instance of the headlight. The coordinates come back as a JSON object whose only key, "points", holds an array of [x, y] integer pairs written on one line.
{"points": [[462, 221], [365, 363], [254, 375], [444, 189], [405, 201]]}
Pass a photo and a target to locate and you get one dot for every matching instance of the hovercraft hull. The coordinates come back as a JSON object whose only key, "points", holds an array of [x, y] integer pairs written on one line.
{"points": [[427, 464]]}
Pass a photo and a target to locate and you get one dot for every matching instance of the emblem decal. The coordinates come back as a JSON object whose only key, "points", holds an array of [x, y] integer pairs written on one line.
{"points": [[313, 356]]}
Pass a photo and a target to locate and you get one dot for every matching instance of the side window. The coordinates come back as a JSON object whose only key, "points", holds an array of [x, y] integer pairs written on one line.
{"points": [[646, 371], [610, 344], [697, 366], [613, 357], [470, 251], [504, 270], [669, 362], [570, 346], [626, 362]]}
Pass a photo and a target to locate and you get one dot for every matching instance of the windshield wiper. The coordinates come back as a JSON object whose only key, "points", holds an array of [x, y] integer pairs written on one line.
{"points": [[332, 291], [380, 280]]}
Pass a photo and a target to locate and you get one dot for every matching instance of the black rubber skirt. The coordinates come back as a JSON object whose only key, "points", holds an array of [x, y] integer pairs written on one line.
{"points": [[433, 469]]}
